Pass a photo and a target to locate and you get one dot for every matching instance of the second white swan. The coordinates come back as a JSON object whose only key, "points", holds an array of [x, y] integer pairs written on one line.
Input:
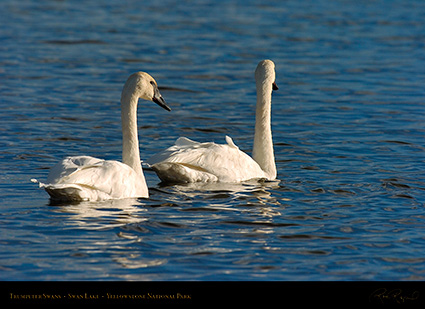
{"points": [[87, 178], [189, 161]]}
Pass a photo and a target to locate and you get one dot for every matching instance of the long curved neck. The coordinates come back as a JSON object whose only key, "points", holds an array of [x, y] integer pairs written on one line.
{"points": [[130, 140], [263, 152]]}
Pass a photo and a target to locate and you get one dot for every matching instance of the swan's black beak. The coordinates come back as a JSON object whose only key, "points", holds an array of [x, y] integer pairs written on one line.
{"points": [[157, 98], [161, 102], [275, 87]]}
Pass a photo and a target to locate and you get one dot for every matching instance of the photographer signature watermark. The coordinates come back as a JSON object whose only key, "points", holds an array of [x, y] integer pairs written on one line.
{"points": [[398, 296]]}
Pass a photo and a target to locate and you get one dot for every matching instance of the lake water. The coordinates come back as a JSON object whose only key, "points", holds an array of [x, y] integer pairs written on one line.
{"points": [[348, 128]]}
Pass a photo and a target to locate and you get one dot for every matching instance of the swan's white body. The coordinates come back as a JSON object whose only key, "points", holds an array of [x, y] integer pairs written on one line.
{"points": [[87, 178], [189, 161]]}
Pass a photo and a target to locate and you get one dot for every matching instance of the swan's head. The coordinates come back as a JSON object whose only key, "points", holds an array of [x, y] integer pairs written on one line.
{"points": [[143, 86], [265, 74]]}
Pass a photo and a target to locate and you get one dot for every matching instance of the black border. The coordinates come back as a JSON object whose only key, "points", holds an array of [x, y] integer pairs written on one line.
{"points": [[187, 293]]}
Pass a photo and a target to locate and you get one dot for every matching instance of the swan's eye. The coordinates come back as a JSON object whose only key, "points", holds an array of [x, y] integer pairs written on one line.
{"points": [[153, 83]]}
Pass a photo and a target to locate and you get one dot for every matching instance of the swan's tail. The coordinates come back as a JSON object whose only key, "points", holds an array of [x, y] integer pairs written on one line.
{"points": [[66, 192], [170, 172]]}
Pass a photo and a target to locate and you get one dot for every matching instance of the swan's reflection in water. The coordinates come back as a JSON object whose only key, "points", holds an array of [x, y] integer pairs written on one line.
{"points": [[198, 188], [114, 230], [102, 214], [256, 196]]}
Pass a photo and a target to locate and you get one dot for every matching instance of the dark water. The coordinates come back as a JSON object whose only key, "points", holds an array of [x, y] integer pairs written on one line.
{"points": [[348, 127]]}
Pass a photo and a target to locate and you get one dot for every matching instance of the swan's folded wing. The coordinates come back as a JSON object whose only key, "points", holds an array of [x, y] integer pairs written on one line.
{"points": [[69, 166], [184, 141], [180, 146]]}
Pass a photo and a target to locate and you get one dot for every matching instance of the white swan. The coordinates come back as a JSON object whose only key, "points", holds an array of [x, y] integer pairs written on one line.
{"points": [[87, 178], [189, 161]]}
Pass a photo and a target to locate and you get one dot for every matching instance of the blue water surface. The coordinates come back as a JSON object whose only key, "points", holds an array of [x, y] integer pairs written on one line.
{"points": [[348, 128]]}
